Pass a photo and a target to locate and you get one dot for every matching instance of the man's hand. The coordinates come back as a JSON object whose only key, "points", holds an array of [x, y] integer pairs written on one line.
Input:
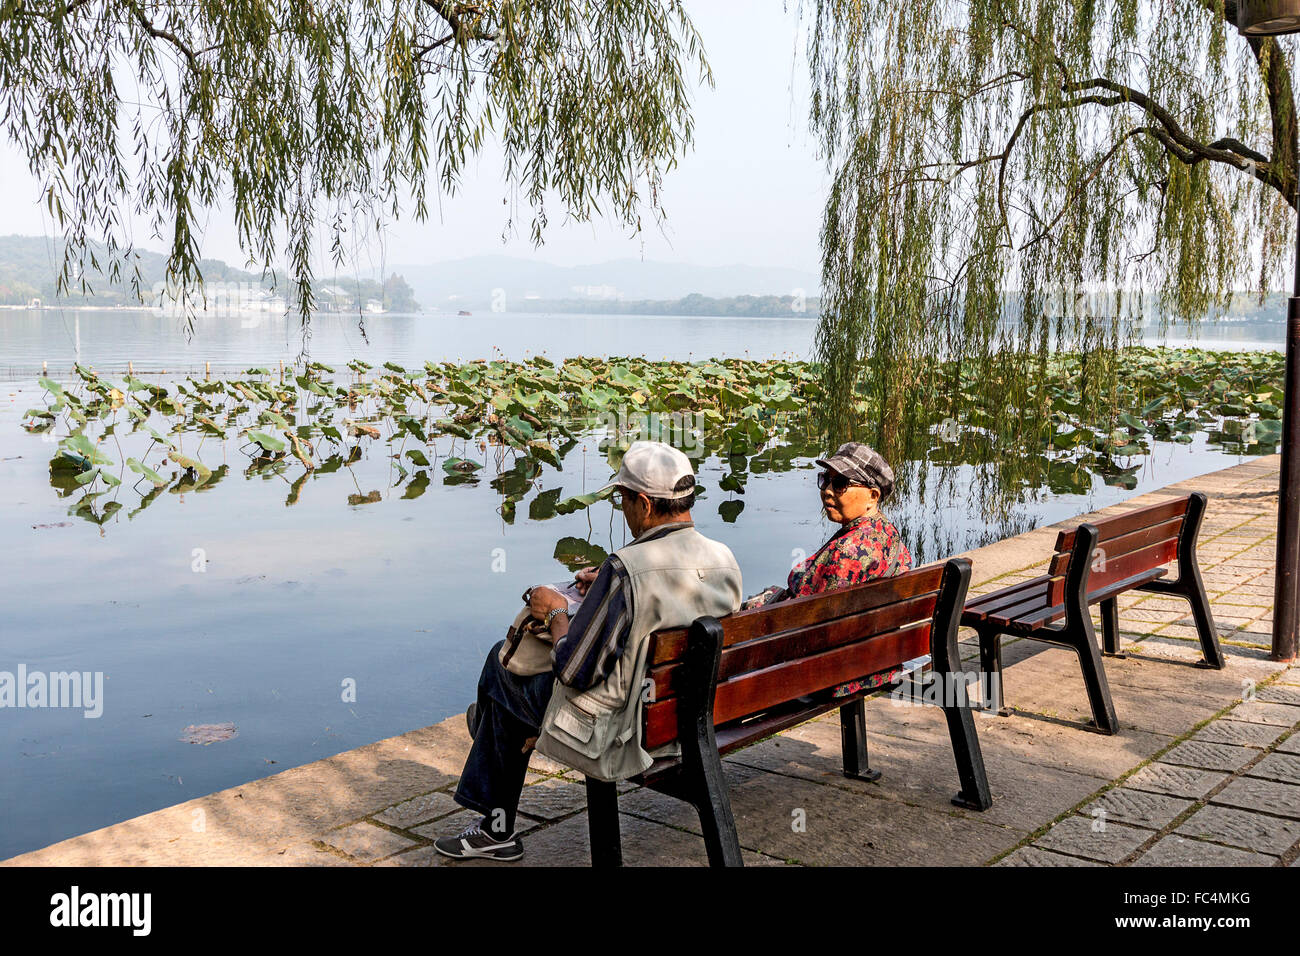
{"points": [[584, 578], [543, 599]]}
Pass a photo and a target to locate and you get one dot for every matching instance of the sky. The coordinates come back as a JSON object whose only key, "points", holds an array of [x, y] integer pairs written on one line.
{"points": [[751, 190]]}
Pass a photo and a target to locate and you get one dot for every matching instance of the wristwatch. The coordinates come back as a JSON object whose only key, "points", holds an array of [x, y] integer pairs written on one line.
{"points": [[550, 615]]}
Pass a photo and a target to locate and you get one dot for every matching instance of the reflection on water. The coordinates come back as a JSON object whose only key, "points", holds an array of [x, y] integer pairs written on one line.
{"points": [[111, 339]]}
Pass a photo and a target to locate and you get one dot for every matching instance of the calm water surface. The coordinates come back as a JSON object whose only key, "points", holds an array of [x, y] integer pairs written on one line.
{"points": [[402, 596]]}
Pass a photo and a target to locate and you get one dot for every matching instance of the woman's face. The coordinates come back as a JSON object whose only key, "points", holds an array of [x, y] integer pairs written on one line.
{"points": [[844, 503]]}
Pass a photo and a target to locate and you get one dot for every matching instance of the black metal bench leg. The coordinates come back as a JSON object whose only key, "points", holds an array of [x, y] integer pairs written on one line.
{"points": [[701, 765], [991, 698], [1192, 587], [716, 821], [955, 685], [853, 738], [1094, 679], [1212, 654], [602, 823], [1110, 627], [975, 793]]}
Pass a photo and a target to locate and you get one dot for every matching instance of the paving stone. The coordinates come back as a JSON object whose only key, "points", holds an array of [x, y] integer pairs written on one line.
{"points": [[1174, 850], [418, 809], [552, 798], [1238, 732], [1282, 799], [420, 856], [1152, 614], [1208, 756], [795, 819], [577, 776], [366, 842], [1263, 712], [1164, 646], [305, 854], [1046, 743], [543, 764], [1291, 676], [1278, 766], [1279, 694], [1253, 600], [1033, 856], [1094, 838], [448, 826], [923, 772], [1291, 745], [1241, 828], [1252, 651], [644, 842], [1051, 684], [1175, 781], [1122, 805], [677, 813], [1166, 604]]}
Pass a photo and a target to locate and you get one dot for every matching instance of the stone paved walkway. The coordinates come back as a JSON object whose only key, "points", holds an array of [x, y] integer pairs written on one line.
{"points": [[1205, 770]]}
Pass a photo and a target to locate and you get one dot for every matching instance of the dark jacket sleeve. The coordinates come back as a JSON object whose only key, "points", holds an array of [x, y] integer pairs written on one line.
{"points": [[598, 633]]}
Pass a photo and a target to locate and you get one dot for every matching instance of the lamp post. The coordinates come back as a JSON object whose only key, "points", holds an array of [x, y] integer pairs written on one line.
{"points": [[1259, 18]]}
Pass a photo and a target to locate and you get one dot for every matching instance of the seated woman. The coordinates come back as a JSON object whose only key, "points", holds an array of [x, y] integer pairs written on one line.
{"points": [[866, 546]]}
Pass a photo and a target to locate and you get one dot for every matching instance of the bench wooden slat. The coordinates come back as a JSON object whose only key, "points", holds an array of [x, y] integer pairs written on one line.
{"points": [[1037, 619], [980, 606], [1141, 538], [761, 690], [806, 611], [1134, 562], [1050, 592], [1120, 525], [1030, 604], [1028, 594], [739, 734], [1168, 529], [803, 642]]}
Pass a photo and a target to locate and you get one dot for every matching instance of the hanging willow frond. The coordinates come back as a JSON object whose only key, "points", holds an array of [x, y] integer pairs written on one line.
{"points": [[307, 118], [1009, 177]]}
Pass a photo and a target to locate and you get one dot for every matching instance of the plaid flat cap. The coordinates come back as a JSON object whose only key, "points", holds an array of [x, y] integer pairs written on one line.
{"points": [[861, 463]]}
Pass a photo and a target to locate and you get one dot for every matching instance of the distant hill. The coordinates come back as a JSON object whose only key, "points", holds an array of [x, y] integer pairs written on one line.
{"points": [[738, 305], [29, 265], [522, 285]]}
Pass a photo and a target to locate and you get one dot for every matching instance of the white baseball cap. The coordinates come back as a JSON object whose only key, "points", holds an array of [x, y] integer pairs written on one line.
{"points": [[653, 468]]}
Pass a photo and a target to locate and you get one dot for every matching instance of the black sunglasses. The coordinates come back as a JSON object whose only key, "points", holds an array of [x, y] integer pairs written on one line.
{"points": [[837, 482]]}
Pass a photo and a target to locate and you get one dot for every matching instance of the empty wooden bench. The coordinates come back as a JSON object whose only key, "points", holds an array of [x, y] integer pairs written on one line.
{"points": [[720, 685], [1094, 564]]}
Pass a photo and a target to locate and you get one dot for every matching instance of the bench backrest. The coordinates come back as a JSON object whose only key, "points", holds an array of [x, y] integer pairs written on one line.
{"points": [[774, 654], [1127, 544]]}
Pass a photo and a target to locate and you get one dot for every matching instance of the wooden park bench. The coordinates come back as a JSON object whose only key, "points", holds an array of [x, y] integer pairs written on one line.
{"points": [[1094, 564], [720, 685]]}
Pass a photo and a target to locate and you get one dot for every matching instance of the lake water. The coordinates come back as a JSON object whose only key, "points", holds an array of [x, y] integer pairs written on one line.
{"points": [[401, 597]]}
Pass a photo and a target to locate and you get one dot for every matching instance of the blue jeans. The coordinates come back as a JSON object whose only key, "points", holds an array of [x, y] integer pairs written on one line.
{"points": [[510, 710]]}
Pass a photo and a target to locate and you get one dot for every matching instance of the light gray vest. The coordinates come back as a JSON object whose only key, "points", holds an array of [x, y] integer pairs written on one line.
{"points": [[673, 580]]}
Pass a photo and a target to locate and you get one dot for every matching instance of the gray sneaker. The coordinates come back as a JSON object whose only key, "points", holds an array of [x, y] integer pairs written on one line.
{"points": [[474, 843]]}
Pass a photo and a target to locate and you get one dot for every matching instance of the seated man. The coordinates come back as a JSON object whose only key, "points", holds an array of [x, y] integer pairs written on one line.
{"points": [[669, 575]]}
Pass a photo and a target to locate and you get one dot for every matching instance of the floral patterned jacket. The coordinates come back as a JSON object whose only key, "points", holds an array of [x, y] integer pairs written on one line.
{"points": [[866, 548]]}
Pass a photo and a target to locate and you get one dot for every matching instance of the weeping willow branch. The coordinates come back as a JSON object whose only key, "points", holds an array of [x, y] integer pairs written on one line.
{"points": [[1016, 179], [312, 121]]}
